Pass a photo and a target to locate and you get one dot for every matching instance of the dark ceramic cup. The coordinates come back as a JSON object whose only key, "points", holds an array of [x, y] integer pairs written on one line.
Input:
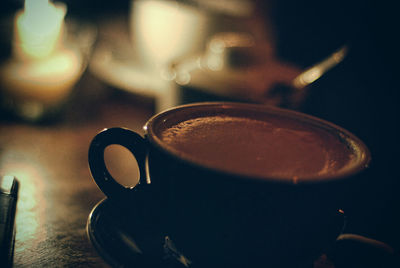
{"points": [[238, 185]]}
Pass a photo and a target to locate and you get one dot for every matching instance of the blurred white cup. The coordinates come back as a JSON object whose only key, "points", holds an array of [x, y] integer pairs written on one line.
{"points": [[163, 31]]}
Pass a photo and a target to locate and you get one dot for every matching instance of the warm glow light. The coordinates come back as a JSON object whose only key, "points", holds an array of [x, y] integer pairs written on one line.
{"points": [[57, 68], [47, 80], [222, 44], [31, 205], [319, 69], [309, 76], [215, 62], [38, 28], [45, 65]]}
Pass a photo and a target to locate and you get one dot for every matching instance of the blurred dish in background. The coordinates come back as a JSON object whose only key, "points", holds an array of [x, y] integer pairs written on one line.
{"points": [[163, 31], [135, 51], [235, 67], [187, 51]]}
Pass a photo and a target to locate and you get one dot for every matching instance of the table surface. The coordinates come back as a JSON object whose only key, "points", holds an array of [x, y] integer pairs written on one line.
{"points": [[57, 192]]}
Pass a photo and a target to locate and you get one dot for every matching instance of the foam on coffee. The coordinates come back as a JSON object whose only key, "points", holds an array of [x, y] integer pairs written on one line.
{"points": [[273, 146]]}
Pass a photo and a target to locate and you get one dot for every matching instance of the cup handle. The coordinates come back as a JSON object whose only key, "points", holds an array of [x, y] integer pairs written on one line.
{"points": [[126, 138]]}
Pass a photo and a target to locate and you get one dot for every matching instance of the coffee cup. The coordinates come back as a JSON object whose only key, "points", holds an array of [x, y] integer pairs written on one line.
{"points": [[235, 184]]}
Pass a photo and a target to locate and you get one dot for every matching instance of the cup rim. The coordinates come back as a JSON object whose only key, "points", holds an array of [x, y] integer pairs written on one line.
{"points": [[360, 149]]}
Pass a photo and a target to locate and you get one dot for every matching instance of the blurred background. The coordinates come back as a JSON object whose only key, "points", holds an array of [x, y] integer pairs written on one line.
{"points": [[158, 54]]}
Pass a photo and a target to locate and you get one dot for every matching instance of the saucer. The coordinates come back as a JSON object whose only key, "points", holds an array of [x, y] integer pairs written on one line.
{"points": [[124, 241]]}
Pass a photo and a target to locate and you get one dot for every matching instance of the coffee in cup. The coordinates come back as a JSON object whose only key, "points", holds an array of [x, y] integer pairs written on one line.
{"points": [[271, 146]]}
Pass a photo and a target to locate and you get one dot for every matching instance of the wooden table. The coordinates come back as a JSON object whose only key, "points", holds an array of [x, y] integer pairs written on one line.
{"points": [[57, 192]]}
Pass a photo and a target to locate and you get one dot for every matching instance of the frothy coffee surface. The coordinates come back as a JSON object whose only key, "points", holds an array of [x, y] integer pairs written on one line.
{"points": [[272, 147]]}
